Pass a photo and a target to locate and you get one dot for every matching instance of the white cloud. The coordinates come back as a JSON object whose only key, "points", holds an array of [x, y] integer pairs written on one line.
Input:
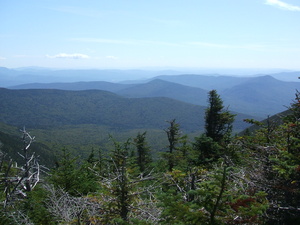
{"points": [[2, 58], [69, 56], [283, 5]]}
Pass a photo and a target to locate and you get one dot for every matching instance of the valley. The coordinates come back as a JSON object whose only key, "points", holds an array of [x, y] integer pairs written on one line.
{"points": [[86, 112]]}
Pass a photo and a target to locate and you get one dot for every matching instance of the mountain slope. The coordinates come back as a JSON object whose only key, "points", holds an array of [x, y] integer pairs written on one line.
{"points": [[50, 108], [153, 88], [206, 82], [160, 88], [10, 145], [76, 86], [260, 96], [287, 76]]}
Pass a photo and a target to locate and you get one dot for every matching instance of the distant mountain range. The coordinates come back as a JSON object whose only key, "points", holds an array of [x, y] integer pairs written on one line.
{"points": [[12, 77], [83, 106], [77, 86], [206, 82], [258, 96], [261, 96], [161, 88]]}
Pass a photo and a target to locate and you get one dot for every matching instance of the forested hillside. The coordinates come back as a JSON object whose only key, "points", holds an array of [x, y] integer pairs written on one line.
{"points": [[50, 108], [12, 145], [260, 95], [141, 153], [214, 178], [249, 95], [160, 88], [206, 82], [77, 86]]}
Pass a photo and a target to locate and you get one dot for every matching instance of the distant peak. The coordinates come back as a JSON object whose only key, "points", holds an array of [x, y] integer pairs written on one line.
{"points": [[265, 77]]}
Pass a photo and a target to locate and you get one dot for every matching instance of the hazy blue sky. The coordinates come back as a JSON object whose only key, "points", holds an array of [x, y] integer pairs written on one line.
{"points": [[150, 33]]}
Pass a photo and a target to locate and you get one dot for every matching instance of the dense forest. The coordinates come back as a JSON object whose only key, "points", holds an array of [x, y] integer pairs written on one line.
{"points": [[216, 177]]}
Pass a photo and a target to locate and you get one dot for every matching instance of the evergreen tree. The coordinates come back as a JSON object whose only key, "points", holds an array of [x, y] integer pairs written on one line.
{"points": [[72, 177], [221, 196], [218, 126], [174, 135], [118, 182], [65, 173], [218, 122], [276, 153], [87, 174], [127, 192], [287, 166], [143, 157], [208, 150]]}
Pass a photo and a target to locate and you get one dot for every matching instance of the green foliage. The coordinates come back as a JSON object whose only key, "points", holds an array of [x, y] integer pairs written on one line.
{"points": [[31, 108], [218, 122], [35, 207], [12, 144], [74, 179], [5, 219], [217, 179], [65, 173], [143, 155], [118, 186], [207, 149], [174, 135], [277, 146], [177, 211], [216, 198], [87, 178]]}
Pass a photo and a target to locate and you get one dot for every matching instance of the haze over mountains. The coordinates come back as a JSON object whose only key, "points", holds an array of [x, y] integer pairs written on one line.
{"points": [[67, 107], [11, 77], [259, 95]]}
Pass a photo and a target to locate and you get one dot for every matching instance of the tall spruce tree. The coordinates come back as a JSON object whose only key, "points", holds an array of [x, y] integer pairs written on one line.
{"points": [[174, 135], [66, 173], [218, 121], [218, 126], [143, 151]]}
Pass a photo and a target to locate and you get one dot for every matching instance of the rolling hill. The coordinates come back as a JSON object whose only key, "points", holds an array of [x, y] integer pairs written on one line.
{"points": [[76, 86], [52, 108], [161, 88], [258, 96], [261, 96], [206, 82], [10, 145]]}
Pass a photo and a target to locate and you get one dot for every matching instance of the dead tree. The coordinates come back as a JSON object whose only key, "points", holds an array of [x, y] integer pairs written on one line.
{"points": [[19, 180]]}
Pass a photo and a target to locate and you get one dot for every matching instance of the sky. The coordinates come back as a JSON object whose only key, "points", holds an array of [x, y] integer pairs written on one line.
{"points": [[118, 34]]}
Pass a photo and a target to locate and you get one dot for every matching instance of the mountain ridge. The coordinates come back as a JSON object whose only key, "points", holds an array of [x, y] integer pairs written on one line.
{"points": [[161, 88], [46, 108], [263, 95], [259, 96]]}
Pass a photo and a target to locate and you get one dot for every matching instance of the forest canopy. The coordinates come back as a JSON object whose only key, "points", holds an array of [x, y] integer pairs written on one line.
{"points": [[215, 178]]}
